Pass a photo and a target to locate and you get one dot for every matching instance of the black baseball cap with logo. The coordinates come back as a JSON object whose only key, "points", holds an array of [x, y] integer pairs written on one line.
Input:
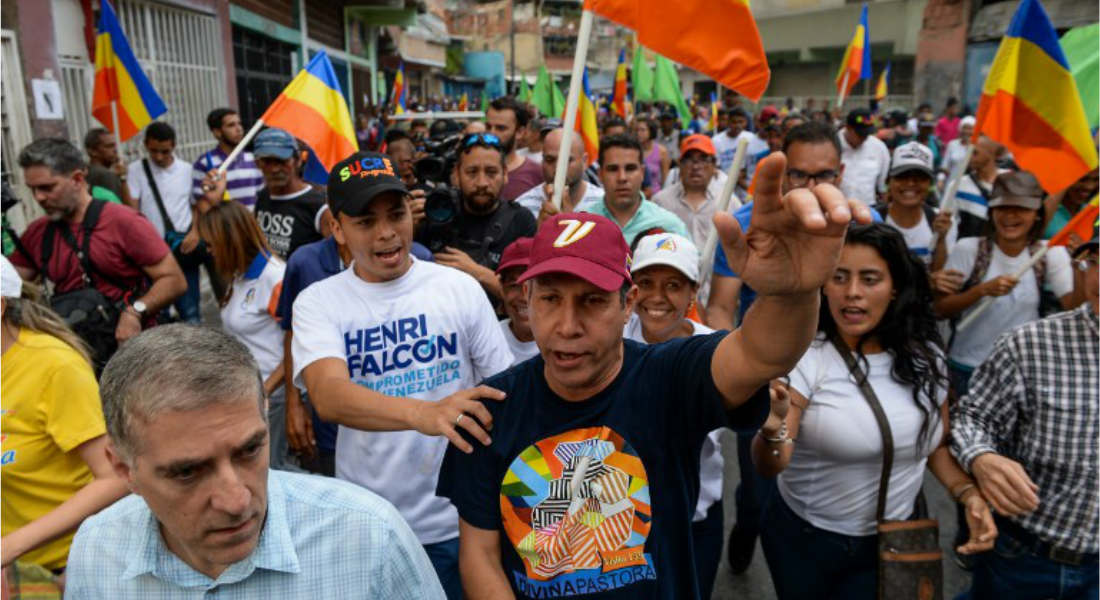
{"points": [[358, 179], [861, 122]]}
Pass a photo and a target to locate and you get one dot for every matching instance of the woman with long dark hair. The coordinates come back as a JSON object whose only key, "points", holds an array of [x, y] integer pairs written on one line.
{"points": [[819, 531]]}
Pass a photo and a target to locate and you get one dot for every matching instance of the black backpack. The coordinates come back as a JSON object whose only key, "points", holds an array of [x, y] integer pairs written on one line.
{"points": [[86, 310]]}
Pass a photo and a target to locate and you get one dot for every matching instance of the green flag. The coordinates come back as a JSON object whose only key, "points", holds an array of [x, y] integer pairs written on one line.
{"points": [[484, 100], [559, 103], [666, 88], [1083, 54], [641, 77], [524, 91], [541, 96]]}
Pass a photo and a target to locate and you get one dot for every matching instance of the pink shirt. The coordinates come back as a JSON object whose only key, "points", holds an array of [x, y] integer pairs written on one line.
{"points": [[947, 129]]}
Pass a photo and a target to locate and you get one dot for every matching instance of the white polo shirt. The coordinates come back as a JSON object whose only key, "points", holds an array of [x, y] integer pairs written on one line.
{"points": [[174, 184], [249, 315]]}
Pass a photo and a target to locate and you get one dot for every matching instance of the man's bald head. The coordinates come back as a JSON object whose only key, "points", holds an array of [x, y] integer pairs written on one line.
{"points": [[551, 148]]}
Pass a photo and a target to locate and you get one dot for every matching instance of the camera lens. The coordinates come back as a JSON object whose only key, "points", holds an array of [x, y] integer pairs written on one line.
{"points": [[440, 206]]}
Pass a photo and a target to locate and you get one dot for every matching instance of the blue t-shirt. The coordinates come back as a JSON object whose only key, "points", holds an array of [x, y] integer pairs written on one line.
{"points": [[722, 266], [628, 531], [309, 264]]}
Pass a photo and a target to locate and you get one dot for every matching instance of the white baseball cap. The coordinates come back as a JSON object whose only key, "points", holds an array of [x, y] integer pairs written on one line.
{"points": [[668, 249], [913, 156], [11, 284]]}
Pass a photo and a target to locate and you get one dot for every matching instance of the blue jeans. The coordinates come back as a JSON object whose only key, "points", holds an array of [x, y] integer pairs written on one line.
{"points": [[753, 490], [811, 563], [1012, 570], [706, 536], [187, 305], [444, 557]]}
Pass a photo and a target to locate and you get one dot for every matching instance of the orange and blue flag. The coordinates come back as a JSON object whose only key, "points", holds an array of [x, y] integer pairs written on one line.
{"points": [[586, 122], [119, 79], [857, 57], [712, 125], [312, 108], [619, 101], [397, 99], [1031, 105], [882, 89], [696, 34]]}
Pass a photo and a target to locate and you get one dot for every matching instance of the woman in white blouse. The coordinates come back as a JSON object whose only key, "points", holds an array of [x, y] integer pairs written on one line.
{"points": [[822, 439]]}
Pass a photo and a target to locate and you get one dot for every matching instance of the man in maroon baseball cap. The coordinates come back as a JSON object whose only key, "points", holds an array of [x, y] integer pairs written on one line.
{"points": [[591, 480]]}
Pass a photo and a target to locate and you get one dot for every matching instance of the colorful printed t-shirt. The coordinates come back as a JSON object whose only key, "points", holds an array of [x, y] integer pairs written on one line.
{"points": [[50, 406], [596, 497], [427, 334]]}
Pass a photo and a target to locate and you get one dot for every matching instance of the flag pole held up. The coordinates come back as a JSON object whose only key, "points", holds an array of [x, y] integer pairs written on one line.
{"points": [[950, 190], [571, 102], [240, 147], [724, 201], [988, 300], [843, 90]]}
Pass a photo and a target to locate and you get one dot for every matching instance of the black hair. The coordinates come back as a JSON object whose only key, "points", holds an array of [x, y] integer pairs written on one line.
{"points": [[908, 329], [477, 140], [952, 101], [620, 141], [812, 132], [396, 135], [642, 234], [91, 139], [737, 111], [59, 155], [417, 123], [510, 103], [651, 126], [613, 122], [161, 132], [216, 116], [1033, 234]]}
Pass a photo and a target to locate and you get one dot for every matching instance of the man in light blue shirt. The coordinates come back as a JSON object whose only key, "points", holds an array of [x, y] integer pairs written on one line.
{"points": [[186, 420], [622, 172]]}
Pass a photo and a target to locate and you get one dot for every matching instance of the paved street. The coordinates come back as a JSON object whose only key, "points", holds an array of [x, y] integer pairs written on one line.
{"points": [[756, 582]]}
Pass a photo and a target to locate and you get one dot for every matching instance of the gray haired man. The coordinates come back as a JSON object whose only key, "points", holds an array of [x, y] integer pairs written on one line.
{"points": [[185, 415]]}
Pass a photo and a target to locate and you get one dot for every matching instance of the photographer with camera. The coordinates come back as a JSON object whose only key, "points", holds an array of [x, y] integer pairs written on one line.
{"points": [[469, 228]]}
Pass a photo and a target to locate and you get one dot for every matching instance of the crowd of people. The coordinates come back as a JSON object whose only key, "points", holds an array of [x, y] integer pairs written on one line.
{"points": [[428, 380]]}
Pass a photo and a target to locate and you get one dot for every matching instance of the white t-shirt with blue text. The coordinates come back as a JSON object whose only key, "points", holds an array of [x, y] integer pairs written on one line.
{"points": [[425, 335]]}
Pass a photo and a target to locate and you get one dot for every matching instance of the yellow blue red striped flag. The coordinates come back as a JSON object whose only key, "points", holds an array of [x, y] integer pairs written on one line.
{"points": [[313, 109], [119, 78], [857, 57], [883, 88], [1031, 105], [586, 122]]}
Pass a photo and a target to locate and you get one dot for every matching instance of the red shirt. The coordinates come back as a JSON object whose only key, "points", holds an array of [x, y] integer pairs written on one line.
{"points": [[525, 177], [123, 242]]}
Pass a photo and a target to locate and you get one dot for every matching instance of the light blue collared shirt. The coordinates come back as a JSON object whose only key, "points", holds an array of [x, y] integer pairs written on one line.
{"points": [[322, 538], [648, 216]]}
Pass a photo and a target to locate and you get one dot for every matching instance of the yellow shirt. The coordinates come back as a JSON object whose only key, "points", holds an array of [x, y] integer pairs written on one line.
{"points": [[50, 405]]}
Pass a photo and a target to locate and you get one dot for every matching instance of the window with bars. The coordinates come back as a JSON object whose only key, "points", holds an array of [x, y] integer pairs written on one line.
{"points": [[264, 67], [180, 51]]}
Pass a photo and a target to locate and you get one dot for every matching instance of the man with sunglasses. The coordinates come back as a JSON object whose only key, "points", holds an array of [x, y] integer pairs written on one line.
{"points": [[390, 348], [485, 223]]}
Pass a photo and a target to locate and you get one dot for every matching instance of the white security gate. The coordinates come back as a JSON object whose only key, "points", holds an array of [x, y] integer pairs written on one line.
{"points": [[16, 130], [181, 53]]}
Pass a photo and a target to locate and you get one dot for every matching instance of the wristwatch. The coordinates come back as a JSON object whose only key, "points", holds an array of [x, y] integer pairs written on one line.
{"points": [[139, 307]]}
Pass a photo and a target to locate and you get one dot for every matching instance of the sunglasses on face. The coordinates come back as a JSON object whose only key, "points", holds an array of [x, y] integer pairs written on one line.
{"points": [[486, 139]]}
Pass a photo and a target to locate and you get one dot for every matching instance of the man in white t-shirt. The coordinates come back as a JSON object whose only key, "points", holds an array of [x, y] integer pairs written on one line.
{"points": [[389, 349], [517, 327], [577, 190], [172, 179], [725, 143], [866, 159]]}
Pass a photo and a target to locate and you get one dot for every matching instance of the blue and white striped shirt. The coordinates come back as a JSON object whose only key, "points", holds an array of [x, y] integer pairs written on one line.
{"points": [[243, 178], [322, 538]]}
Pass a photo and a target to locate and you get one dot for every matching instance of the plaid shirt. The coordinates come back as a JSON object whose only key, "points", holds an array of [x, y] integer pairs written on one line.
{"points": [[1036, 400], [322, 538]]}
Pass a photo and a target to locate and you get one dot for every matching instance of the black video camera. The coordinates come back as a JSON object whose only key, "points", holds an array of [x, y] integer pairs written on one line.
{"points": [[442, 202]]}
